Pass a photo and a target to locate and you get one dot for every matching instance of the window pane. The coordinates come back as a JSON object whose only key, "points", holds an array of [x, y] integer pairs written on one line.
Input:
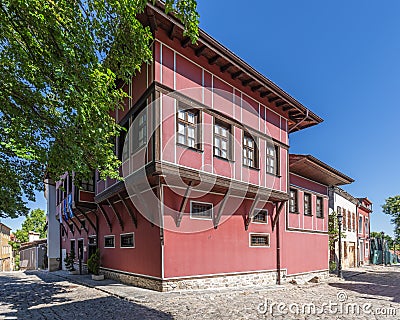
{"points": [[181, 139], [191, 142], [181, 128], [191, 132], [224, 144], [181, 114], [191, 117]]}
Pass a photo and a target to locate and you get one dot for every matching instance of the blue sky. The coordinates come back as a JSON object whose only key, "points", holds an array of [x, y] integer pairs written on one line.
{"points": [[342, 60], [339, 58]]}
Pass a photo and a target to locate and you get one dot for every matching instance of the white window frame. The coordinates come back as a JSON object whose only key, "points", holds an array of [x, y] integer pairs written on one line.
{"points": [[260, 234], [120, 240], [104, 239], [200, 202], [260, 222]]}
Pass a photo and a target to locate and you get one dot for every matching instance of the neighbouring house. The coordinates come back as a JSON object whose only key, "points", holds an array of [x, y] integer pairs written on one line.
{"points": [[33, 254], [364, 209], [342, 202], [208, 177], [6, 261], [308, 214]]}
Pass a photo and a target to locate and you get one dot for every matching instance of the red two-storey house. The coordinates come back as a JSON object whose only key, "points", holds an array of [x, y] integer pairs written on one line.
{"points": [[206, 168]]}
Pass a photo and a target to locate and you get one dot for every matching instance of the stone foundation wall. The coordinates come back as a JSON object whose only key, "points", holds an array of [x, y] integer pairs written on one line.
{"points": [[305, 277], [223, 281], [210, 282], [137, 281]]}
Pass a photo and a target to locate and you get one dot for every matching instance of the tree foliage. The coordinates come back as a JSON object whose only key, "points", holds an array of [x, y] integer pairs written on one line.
{"points": [[333, 230], [59, 65], [392, 208], [35, 221]]}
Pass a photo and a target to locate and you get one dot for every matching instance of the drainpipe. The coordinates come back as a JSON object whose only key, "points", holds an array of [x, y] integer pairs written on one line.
{"points": [[278, 252], [358, 240], [299, 123]]}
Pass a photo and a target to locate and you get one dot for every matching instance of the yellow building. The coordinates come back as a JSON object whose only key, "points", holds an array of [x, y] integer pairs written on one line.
{"points": [[5, 248]]}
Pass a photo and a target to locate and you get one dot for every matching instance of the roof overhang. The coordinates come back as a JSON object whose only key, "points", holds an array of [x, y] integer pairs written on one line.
{"points": [[299, 117], [311, 168]]}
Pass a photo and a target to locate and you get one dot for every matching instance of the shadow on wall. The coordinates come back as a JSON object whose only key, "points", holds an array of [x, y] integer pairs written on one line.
{"points": [[383, 283], [29, 298]]}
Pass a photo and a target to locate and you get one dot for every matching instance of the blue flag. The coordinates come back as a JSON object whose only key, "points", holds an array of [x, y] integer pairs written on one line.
{"points": [[71, 213], [65, 209]]}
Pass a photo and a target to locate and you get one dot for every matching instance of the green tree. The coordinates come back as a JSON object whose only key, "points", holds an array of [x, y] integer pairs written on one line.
{"points": [[333, 230], [60, 63], [35, 221], [392, 208]]}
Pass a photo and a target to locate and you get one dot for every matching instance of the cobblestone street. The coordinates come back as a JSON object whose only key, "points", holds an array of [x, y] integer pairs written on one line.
{"points": [[368, 293]]}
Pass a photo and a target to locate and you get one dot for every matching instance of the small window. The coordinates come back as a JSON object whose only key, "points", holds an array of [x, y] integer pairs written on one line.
{"points": [[320, 207], [360, 224], [109, 242], [272, 159], [250, 152], [71, 227], [83, 224], [344, 219], [259, 240], [222, 140], [293, 201], [261, 216], [187, 123], [123, 142], [69, 184], [88, 185], [366, 226], [349, 226], [307, 204], [92, 241], [65, 185], [200, 210], [127, 240], [139, 130]]}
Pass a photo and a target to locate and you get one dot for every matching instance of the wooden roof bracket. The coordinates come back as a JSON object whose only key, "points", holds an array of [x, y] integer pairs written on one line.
{"points": [[121, 224], [87, 218], [132, 215], [142, 200], [278, 209], [300, 122], [217, 218], [105, 216], [76, 226], [185, 199], [81, 223], [69, 226], [251, 212], [63, 227]]}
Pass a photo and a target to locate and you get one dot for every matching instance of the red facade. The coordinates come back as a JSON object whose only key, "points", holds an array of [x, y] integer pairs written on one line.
{"points": [[363, 230]]}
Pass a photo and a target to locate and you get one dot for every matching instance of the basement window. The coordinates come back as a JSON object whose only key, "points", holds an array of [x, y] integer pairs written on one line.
{"points": [[261, 216], [127, 240], [201, 210], [109, 242], [259, 240]]}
